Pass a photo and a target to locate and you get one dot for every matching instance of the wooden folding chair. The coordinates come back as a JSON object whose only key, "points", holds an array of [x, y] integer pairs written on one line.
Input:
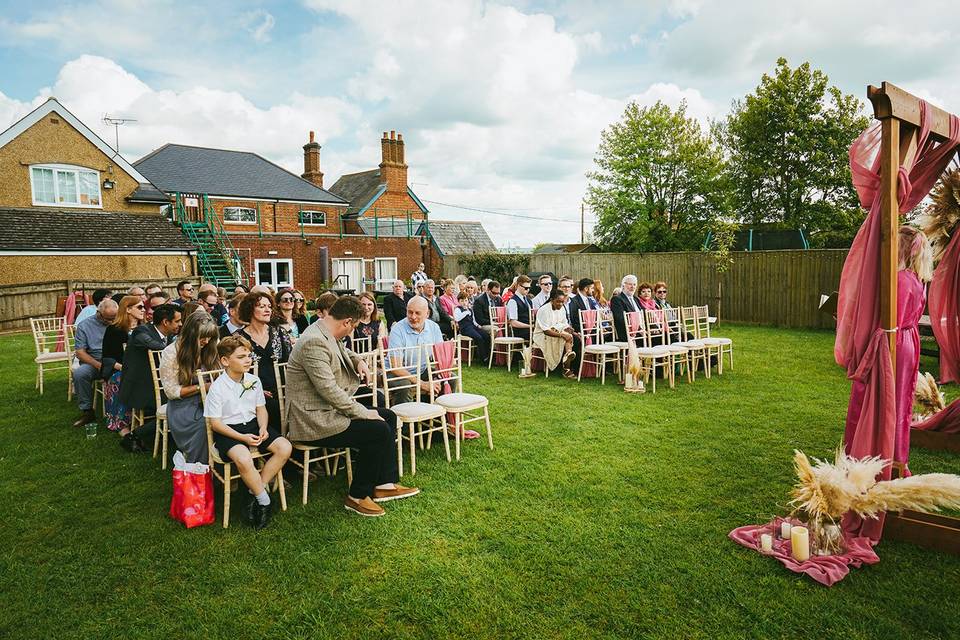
{"points": [[420, 416], [464, 342], [228, 476], [651, 358], [715, 344], [162, 431], [668, 332], [500, 337], [311, 453], [361, 345], [594, 351], [465, 407], [52, 338]]}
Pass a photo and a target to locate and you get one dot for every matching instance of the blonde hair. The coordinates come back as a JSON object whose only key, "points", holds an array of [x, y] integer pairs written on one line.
{"points": [[915, 253]]}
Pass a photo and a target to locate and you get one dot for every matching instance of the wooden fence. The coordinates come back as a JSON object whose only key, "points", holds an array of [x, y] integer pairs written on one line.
{"points": [[780, 288], [20, 302]]}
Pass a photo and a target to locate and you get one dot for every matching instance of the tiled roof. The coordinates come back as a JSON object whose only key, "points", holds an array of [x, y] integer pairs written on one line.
{"points": [[146, 192], [458, 238], [358, 189], [85, 229], [566, 248], [220, 172]]}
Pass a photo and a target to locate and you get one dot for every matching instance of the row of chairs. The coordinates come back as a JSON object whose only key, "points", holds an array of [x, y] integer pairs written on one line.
{"points": [[54, 343]]}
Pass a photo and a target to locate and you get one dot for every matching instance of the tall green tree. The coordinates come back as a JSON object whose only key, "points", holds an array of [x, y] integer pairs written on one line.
{"points": [[786, 146], [658, 183]]}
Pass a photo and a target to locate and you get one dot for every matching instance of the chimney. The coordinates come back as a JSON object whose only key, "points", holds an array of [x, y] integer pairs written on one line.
{"points": [[393, 167], [311, 162]]}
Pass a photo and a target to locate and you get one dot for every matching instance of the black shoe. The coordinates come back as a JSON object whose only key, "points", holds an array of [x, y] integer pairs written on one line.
{"points": [[130, 443], [262, 514], [250, 510], [86, 417]]}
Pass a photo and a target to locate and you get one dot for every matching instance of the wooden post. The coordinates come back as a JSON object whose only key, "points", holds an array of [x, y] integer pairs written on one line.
{"points": [[889, 225]]}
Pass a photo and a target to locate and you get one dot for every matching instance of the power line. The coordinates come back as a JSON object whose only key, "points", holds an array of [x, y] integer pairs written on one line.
{"points": [[502, 213]]}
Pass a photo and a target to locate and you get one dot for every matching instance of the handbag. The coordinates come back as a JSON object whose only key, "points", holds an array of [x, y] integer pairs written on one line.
{"points": [[192, 502]]}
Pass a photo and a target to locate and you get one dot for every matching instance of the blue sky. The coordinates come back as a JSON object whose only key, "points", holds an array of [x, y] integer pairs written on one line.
{"points": [[501, 104]]}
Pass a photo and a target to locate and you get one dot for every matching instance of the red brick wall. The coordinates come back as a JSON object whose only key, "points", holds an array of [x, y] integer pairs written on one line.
{"points": [[278, 216]]}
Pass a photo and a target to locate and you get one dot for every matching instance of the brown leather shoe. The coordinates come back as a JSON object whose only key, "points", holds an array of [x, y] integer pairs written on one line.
{"points": [[365, 507], [85, 418], [398, 492]]}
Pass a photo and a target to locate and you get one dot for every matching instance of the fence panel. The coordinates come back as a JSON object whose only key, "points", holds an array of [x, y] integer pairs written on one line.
{"points": [[780, 288]]}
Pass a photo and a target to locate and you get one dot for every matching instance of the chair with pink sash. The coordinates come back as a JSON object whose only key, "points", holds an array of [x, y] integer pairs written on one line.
{"points": [[596, 355], [651, 358], [462, 408], [663, 329], [502, 344]]}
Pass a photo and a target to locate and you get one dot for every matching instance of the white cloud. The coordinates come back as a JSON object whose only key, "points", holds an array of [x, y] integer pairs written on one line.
{"points": [[259, 23], [671, 95]]}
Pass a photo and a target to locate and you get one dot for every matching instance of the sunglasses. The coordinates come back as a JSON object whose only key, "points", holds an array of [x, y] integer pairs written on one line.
{"points": [[286, 299], [139, 306], [661, 290], [188, 289], [298, 299]]}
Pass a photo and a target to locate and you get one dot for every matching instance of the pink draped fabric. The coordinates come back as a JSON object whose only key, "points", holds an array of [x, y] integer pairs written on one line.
{"points": [[498, 318], [946, 421], [824, 569], [69, 315], [443, 353], [861, 345], [588, 321], [945, 312]]}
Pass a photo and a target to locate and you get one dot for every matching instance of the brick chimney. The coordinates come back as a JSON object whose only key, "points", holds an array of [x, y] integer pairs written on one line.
{"points": [[311, 162], [393, 167]]}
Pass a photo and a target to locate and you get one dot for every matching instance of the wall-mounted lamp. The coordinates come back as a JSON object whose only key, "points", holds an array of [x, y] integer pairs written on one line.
{"points": [[109, 184], [271, 253], [348, 253]]}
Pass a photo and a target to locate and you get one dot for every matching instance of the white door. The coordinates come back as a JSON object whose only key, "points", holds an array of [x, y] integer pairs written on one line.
{"points": [[385, 273], [348, 274]]}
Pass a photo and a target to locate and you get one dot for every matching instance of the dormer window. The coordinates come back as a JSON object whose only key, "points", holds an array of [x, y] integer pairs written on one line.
{"points": [[60, 185]]}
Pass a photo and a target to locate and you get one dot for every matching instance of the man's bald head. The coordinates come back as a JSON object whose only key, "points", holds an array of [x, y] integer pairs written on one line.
{"points": [[107, 310], [417, 312]]}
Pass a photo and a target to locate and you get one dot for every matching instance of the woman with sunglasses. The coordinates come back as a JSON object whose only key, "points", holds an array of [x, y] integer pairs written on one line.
{"points": [[660, 295], [286, 313], [130, 314], [269, 343]]}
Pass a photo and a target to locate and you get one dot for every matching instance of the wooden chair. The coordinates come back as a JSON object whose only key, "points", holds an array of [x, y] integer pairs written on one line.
{"points": [[715, 344], [500, 337], [464, 342], [594, 351], [420, 416], [53, 340], [312, 453], [699, 353], [163, 431], [361, 345], [228, 476], [651, 358], [535, 353], [660, 332], [464, 407]]}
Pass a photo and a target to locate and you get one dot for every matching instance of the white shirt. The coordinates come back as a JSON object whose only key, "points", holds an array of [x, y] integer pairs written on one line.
{"points": [[540, 299], [459, 313], [633, 301], [232, 402], [512, 309]]}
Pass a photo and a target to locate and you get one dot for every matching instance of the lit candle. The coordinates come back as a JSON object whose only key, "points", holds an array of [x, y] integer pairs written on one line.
{"points": [[785, 530], [766, 542], [800, 543]]}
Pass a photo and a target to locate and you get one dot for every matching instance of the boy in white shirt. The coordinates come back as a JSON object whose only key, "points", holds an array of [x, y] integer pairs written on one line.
{"points": [[237, 411]]}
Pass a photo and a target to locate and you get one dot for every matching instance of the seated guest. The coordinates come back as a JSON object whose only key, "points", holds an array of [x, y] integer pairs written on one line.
{"points": [[646, 296], [155, 300], [511, 290], [553, 336], [136, 384], [285, 314], [195, 348], [546, 287], [369, 323], [300, 309], [237, 411], [137, 291], [233, 323], [152, 288], [602, 305], [209, 299], [184, 292], [322, 377], [269, 344], [130, 313], [582, 301], [518, 309], [623, 302], [395, 304], [437, 314], [91, 309], [458, 283], [660, 293], [565, 284], [463, 315], [322, 304], [470, 287], [448, 301], [88, 337], [222, 296], [483, 302], [117, 297], [415, 330]]}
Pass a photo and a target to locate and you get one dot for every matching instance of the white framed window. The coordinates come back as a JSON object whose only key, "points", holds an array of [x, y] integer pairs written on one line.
{"points": [[385, 272], [314, 217], [241, 215], [63, 185], [274, 273]]}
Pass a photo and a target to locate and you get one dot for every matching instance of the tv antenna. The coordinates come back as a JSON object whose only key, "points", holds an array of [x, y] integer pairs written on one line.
{"points": [[116, 122]]}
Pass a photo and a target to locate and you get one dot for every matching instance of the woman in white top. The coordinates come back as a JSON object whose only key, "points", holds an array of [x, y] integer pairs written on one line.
{"points": [[552, 334]]}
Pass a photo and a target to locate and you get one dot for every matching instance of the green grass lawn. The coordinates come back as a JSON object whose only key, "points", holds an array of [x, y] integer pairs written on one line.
{"points": [[599, 514]]}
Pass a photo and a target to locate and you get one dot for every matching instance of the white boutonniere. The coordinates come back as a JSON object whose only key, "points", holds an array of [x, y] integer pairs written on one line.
{"points": [[248, 387]]}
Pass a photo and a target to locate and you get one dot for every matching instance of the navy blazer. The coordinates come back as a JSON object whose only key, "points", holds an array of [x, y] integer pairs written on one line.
{"points": [[619, 305], [136, 383]]}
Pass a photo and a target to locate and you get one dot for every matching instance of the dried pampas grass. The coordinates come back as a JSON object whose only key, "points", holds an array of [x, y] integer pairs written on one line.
{"points": [[939, 219], [928, 399]]}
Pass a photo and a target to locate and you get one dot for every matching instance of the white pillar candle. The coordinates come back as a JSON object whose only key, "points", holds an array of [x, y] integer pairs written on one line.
{"points": [[800, 543], [766, 542], [628, 381], [785, 530]]}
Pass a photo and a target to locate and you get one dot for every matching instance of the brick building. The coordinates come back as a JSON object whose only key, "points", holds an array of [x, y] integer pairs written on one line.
{"points": [[75, 209]]}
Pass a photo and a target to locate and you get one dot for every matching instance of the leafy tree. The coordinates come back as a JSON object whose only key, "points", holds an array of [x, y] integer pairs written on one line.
{"points": [[498, 266], [786, 147], [658, 183]]}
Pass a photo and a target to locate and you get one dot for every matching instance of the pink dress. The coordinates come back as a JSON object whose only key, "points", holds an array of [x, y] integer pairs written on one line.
{"points": [[448, 303], [911, 299]]}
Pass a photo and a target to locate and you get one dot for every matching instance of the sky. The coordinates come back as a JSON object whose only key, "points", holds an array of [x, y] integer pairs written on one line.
{"points": [[501, 105]]}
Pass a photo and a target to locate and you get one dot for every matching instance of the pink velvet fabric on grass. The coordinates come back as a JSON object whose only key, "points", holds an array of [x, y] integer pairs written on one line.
{"points": [[826, 570], [946, 421]]}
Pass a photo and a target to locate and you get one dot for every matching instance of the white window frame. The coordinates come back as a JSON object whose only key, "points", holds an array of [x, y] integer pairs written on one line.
{"points": [[377, 280], [313, 212], [76, 170], [238, 209], [273, 272]]}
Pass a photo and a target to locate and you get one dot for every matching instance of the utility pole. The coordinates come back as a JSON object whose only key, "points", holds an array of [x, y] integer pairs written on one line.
{"points": [[582, 237]]}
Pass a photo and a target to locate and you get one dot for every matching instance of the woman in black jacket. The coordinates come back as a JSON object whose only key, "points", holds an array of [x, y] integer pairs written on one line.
{"points": [[130, 314]]}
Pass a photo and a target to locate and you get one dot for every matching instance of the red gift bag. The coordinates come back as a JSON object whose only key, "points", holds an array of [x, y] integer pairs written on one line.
{"points": [[192, 502]]}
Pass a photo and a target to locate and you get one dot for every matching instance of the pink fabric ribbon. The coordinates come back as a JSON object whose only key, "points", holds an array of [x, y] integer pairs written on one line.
{"points": [[946, 421], [443, 353], [588, 320]]}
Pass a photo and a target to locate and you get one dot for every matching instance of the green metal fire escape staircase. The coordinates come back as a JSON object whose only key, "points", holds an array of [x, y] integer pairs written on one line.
{"points": [[218, 261]]}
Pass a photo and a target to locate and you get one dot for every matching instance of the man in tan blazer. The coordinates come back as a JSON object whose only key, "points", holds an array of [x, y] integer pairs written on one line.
{"points": [[322, 377]]}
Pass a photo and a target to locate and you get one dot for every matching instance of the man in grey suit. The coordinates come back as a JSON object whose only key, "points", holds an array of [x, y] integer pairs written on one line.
{"points": [[322, 378]]}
